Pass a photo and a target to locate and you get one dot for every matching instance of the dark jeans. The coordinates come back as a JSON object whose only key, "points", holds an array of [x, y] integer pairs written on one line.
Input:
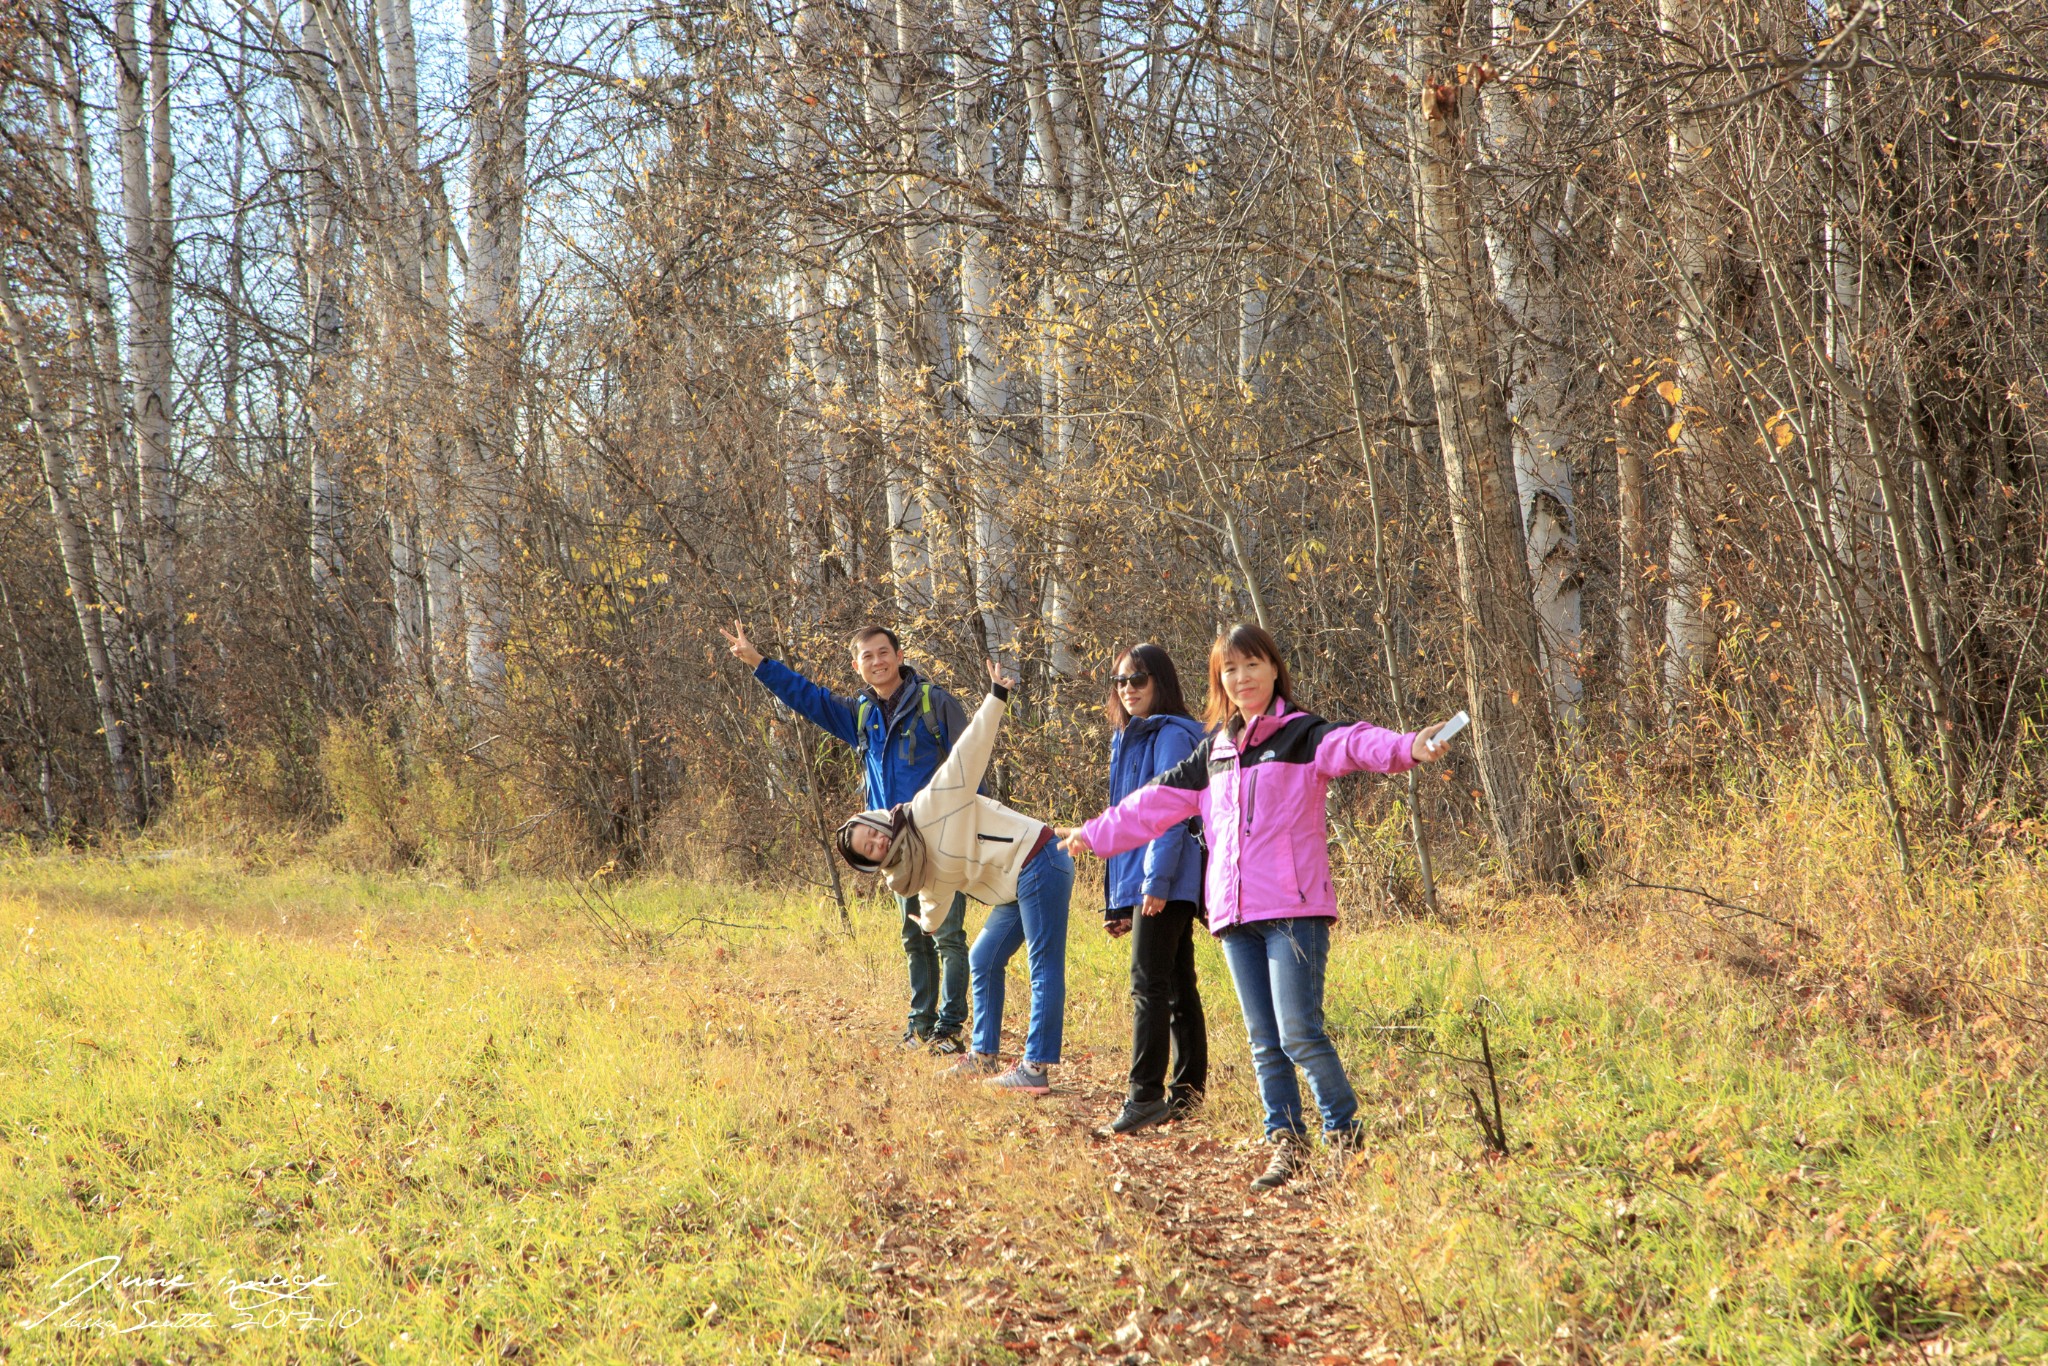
{"points": [[1167, 1025], [1277, 967], [938, 969]]}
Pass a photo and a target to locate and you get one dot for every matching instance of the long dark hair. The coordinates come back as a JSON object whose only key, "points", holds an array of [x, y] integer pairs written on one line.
{"points": [[1166, 695], [1248, 642]]}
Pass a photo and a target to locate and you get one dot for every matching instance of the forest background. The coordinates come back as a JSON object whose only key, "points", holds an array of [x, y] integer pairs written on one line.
{"points": [[395, 408], [395, 404]]}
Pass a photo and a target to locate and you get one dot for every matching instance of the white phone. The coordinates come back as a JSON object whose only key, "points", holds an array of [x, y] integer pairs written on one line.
{"points": [[1451, 727]]}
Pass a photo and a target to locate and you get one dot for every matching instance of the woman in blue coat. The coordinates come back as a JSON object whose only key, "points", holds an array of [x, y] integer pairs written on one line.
{"points": [[1154, 894]]}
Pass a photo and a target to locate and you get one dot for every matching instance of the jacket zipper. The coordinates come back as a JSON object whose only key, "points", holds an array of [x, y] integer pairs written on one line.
{"points": [[1244, 838]]}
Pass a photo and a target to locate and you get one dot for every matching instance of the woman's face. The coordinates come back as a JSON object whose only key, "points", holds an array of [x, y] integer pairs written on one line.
{"points": [[1134, 687], [870, 843], [1248, 681]]}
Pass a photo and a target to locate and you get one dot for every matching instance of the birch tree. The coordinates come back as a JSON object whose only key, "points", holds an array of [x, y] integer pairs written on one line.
{"points": [[1529, 235], [1508, 699], [497, 96]]}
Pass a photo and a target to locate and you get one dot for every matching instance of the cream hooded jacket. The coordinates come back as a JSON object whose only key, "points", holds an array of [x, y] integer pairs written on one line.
{"points": [[973, 844]]}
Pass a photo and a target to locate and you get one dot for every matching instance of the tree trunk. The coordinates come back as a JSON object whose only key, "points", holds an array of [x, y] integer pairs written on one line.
{"points": [[142, 104], [76, 558], [497, 72], [1504, 680], [986, 385], [1527, 237], [1697, 239], [1062, 76]]}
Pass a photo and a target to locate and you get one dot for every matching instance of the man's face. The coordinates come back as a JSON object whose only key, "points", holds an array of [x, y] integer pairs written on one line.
{"points": [[879, 663]]}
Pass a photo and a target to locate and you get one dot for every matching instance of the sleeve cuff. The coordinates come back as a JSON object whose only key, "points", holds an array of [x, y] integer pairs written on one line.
{"points": [[1002, 693]]}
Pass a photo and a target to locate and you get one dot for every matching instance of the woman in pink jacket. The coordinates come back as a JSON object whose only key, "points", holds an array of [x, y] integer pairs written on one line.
{"points": [[1258, 782]]}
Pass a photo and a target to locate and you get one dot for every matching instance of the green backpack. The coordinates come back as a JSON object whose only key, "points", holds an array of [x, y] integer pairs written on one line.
{"points": [[925, 713]]}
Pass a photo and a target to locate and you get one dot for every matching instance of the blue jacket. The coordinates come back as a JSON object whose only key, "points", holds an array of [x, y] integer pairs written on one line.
{"points": [[1169, 867], [899, 749]]}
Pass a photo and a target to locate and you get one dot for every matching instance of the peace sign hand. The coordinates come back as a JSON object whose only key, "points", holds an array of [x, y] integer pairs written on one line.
{"points": [[742, 649]]}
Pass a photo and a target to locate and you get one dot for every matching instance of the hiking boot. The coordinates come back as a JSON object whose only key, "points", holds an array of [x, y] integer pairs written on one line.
{"points": [[1141, 1114], [1345, 1144], [973, 1067], [1031, 1081], [1289, 1152], [1182, 1105], [947, 1045]]}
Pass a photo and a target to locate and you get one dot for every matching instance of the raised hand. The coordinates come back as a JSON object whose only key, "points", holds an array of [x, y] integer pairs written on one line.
{"points": [[742, 649], [1427, 748], [1000, 676]]}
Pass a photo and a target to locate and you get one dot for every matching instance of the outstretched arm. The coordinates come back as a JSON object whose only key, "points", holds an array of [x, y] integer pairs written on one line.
{"points": [[1367, 748], [1163, 855], [1147, 813], [962, 771], [820, 706]]}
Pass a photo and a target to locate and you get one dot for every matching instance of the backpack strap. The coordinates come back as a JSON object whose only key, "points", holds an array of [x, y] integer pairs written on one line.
{"points": [[931, 719], [860, 723]]}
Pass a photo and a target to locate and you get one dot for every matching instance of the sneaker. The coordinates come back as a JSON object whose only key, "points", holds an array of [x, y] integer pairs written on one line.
{"points": [[972, 1066], [1032, 1081], [947, 1045], [1141, 1114], [913, 1039], [1289, 1151], [1182, 1105]]}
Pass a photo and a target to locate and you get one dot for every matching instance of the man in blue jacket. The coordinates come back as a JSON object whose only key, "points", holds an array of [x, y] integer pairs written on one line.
{"points": [[902, 727]]}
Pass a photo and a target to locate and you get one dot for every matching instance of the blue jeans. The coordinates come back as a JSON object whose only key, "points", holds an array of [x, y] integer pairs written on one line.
{"points": [[1277, 967], [1037, 919], [938, 969]]}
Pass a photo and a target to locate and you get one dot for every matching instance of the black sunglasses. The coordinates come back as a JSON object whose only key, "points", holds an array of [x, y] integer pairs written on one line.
{"points": [[1130, 680]]}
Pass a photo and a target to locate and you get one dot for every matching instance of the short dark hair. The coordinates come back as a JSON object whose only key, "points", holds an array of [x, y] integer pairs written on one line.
{"points": [[1166, 693], [869, 632]]}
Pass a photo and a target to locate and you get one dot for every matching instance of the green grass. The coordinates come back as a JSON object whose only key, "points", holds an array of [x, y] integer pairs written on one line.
{"points": [[1703, 1169], [491, 1138]]}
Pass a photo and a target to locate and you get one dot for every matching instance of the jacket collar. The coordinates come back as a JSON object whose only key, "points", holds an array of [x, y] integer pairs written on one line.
{"points": [[1267, 722], [1261, 727], [1139, 726], [892, 710]]}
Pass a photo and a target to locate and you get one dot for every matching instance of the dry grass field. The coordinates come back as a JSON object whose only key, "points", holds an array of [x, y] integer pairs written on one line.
{"points": [[262, 1114]]}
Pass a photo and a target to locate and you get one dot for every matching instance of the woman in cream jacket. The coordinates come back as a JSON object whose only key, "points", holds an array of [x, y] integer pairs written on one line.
{"points": [[949, 838]]}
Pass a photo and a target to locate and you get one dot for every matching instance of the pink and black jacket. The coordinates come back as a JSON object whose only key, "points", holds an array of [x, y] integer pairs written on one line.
{"points": [[1260, 797]]}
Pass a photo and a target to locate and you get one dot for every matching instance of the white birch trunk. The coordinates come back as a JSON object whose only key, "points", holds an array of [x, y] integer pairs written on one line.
{"points": [[1854, 508], [1273, 42], [1055, 67], [74, 554], [1695, 242], [986, 384], [819, 535], [434, 479], [497, 72], [1524, 243], [108, 467], [899, 392], [142, 131], [1512, 732]]}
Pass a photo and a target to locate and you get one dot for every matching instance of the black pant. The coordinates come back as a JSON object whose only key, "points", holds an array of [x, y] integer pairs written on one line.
{"points": [[1166, 1005]]}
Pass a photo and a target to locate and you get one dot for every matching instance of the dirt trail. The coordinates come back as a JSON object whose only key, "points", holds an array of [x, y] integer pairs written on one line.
{"points": [[1265, 1268], [1261, 1275]]}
